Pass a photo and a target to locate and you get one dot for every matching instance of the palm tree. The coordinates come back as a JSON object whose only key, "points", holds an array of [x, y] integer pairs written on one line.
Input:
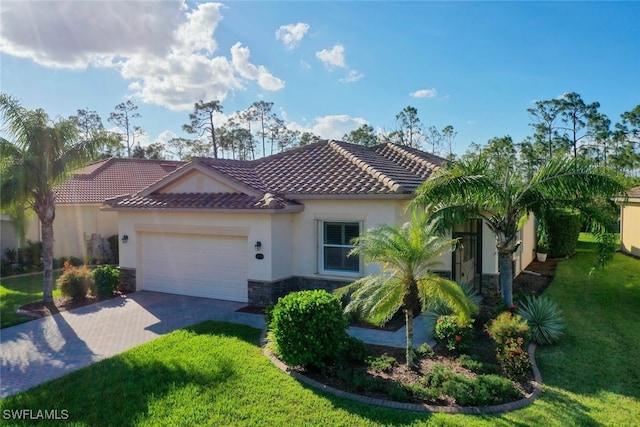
{"points": [[39, 156], [472, 189], [408, 256]]}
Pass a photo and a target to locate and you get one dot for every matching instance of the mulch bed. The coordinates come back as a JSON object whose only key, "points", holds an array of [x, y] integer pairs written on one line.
{"points": [[40, 309]]}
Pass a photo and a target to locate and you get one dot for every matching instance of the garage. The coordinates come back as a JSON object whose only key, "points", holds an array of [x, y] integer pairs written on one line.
{"points": [[209, 266]]}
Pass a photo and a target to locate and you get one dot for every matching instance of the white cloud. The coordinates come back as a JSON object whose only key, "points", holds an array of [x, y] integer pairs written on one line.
{"points": [[425, 93], [353, 76], [330, 127], [292, 34], [332, 58], [163, 47]]}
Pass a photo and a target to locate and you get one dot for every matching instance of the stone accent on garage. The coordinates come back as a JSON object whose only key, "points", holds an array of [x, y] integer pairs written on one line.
{"points": [[263, 293], [127, 279], [490, 284]]}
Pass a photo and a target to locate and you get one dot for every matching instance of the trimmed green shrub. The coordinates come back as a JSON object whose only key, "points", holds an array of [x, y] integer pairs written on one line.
{"points": [[309, 328], [546, 324], [384, 363], [75, 282], [105, 281], [513, 359], [453, 333], [507, 326], [564, 230]]}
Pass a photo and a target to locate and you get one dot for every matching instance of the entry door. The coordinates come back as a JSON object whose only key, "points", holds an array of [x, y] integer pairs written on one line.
{"points": [[467, 256]]}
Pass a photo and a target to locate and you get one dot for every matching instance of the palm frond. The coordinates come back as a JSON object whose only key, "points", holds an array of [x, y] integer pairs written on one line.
{"points": [[435, 288]]}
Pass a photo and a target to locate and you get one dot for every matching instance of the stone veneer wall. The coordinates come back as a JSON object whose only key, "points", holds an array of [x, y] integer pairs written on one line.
{"points": [[127, 279], [263, 293], [490, 283]]}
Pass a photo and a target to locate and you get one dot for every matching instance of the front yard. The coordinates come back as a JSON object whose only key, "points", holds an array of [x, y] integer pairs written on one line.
{"points": [[216, 374], [17, 291]]}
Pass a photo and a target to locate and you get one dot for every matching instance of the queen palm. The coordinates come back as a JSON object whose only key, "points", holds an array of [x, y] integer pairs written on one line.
{"points": [[40, 154], [408, 256], [474, 189]]}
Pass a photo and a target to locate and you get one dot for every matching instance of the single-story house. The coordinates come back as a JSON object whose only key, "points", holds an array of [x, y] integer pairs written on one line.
{"points": [[9, 238], [251, 231], [630, 223], [78, 200]]}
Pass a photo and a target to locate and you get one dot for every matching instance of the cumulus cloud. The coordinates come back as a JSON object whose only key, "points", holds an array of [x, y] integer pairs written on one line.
{"points": [[353, 76], [332, 58], [163, 47], [425, 93], [292, 34], [330, 127]]}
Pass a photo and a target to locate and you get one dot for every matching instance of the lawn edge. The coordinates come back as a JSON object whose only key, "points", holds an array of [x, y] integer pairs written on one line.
{"points": [[416, 407]]}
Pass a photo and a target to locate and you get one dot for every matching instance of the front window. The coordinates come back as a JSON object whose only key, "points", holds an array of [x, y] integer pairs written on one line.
{"points": [[336, 245]]}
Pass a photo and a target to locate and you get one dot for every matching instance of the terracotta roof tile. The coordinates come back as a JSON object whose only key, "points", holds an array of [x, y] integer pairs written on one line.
{"points": [[112, 177], [200, 201], [634, 193]]}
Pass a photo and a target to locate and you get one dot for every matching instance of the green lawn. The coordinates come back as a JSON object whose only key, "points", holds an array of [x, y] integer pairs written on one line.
{"points": [[16, 291], [215, 373]]}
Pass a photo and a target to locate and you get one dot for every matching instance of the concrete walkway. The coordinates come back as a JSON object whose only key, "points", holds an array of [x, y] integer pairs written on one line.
{"points": [[44, 349]]}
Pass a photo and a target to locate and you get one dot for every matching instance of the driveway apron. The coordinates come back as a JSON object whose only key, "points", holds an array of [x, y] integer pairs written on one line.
{"points": [[44, 349]]}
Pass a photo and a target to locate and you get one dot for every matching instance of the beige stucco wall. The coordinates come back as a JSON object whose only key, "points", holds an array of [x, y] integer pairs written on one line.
{"points": [[197, 182], [72, 224], [630, 227]]}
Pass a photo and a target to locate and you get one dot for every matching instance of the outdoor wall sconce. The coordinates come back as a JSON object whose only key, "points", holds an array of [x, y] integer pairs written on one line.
{"points": [[125, 238], [258, 245]]}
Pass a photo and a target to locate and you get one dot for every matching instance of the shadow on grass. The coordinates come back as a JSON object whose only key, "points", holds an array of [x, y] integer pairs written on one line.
{"points": [[121, 390]]}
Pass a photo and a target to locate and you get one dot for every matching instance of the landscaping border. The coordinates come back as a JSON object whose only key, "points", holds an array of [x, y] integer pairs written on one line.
{"points": [[416, 407]]}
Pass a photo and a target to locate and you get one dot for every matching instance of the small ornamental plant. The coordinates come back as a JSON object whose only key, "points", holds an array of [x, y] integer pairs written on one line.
{"points": [[455, 334], [513, 359], [507, 326], [75, 282]]}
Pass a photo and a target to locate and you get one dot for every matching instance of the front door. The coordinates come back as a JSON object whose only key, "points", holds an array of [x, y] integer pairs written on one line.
{"points": [[467, 256]]}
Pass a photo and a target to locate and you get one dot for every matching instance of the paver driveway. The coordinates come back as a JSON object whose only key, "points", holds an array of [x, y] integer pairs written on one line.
{"points": [[50, 347], [47, 348]]}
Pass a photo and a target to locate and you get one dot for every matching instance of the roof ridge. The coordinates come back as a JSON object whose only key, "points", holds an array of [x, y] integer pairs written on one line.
{"points": [[367, 168], [413, 156]]}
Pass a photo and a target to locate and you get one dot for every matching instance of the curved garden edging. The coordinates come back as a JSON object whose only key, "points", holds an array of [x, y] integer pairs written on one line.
{"points": [[470, 410]]}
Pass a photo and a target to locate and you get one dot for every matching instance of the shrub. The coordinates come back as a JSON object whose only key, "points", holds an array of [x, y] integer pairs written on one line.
{"points": [[470, 363], [424, 350], [105, 281], [544, 318], [384, 363], [309, 328], [564, 230], [75, 282], [513, 359], [507, 326], [453, 333], [498, 388]]}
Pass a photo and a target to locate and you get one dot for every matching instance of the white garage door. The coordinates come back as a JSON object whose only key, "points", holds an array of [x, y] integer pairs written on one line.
{"points": [[195, 265]]}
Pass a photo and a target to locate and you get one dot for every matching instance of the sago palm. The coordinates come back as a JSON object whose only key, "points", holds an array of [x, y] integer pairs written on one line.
{"points": [[38, 156], [504, 201], [407, 256]]}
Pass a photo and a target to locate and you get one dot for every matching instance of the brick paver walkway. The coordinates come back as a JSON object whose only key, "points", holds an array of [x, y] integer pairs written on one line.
{"points": [[43, 349]]}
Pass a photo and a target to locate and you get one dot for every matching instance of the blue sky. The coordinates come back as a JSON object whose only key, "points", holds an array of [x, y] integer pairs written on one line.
{"points": [[328, 67]]}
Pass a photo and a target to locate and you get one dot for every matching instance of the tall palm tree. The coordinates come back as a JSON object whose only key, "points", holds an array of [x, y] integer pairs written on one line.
{"points": [[40, 155], [472, 189], [408, 256]]}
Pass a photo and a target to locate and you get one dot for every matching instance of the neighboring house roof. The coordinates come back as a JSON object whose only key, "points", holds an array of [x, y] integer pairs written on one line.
{"points": [[112, 177], [323, 169], [634, 193]]}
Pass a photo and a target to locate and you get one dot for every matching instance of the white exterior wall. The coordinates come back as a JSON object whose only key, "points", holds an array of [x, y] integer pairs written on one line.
{"points": [[280, 246], [526, 254], [489, 252]]}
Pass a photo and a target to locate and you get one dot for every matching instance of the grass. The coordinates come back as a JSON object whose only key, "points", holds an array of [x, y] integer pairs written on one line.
{"points": [[215, 373], [17, 291]]}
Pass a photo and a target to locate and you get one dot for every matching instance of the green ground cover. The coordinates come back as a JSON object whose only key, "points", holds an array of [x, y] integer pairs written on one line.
{"points": [[17, 291]]}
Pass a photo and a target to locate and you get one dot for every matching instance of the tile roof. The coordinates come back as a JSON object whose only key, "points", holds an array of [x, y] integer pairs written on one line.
{"points": [[634, 193], [112, 177], [201, 201], [333, 168], [325, 168]]}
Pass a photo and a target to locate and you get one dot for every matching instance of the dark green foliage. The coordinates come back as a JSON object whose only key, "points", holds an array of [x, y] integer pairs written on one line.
{"points": [[75, 282], [454, 333], [513, 359], [309, 328], [545, 320], [105, 281], [384, 363], [564, 230], [115, 250], [606, 245]]}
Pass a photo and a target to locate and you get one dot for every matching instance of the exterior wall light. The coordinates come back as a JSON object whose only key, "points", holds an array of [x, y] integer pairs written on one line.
{"points": [[125, 238], [258, 246]]}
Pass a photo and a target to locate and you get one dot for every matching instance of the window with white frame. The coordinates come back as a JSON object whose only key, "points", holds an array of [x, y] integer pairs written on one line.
{"points": [[335, 245]]}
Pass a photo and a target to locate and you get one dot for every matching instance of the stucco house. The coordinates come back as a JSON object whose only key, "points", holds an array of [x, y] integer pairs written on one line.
{"points": [[630, 222], [78, 201], [251, 231]]}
